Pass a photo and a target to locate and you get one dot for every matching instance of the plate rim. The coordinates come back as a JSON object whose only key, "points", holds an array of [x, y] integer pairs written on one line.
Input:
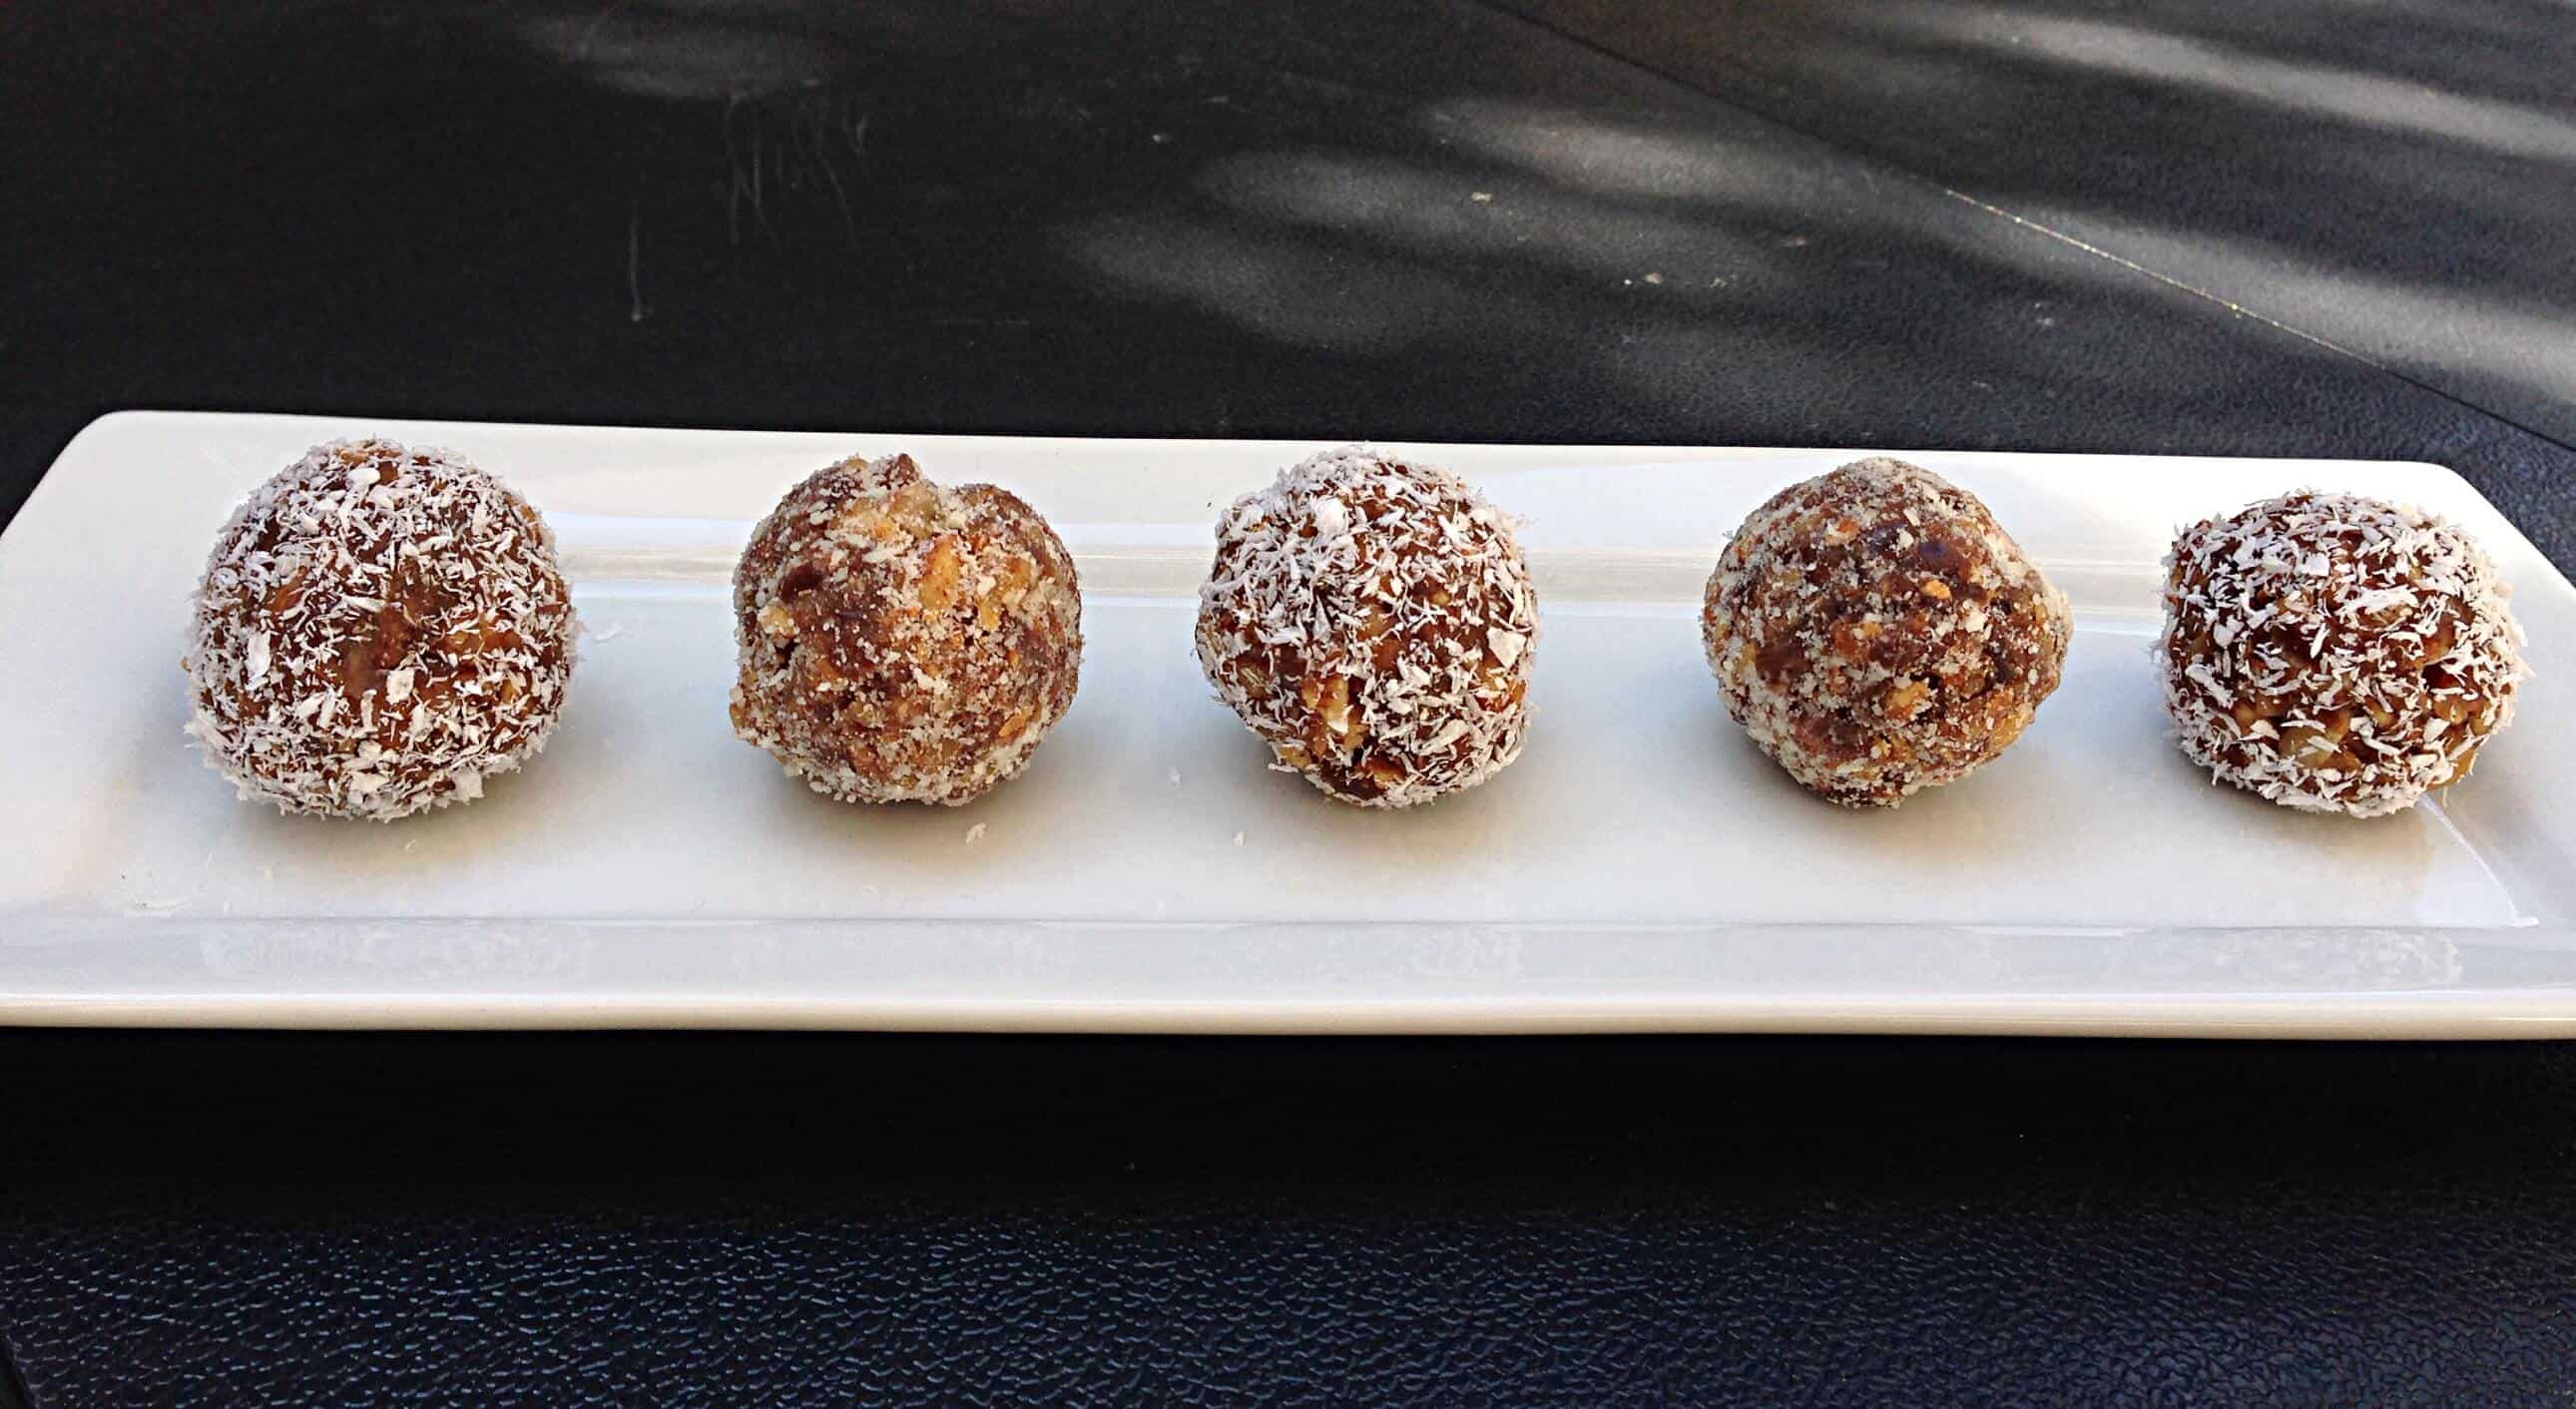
{"points": [[2426, 1014]]}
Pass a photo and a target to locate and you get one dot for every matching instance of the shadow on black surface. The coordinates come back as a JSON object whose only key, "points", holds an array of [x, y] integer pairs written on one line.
{"points": [[1033, 1117], [2387, 178], [1407, 222], [13, 1385]]}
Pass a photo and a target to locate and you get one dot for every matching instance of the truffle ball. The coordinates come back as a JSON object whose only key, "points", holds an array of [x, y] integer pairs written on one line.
{"points": [[378, 631], [1876, 632], [903, 641], [2335, 653], [1371, 619]]}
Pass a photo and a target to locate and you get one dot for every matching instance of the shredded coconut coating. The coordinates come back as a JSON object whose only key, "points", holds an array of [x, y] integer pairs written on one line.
{"points": [[2335, 653], [378, 631], [902, 641], [1371, 619], [1876, 632]]}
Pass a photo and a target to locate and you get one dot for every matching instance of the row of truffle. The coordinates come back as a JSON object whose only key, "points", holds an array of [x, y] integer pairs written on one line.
{"points": [[379, 630]]}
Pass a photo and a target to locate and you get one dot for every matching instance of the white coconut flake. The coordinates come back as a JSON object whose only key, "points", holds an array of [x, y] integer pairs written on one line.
{"points": [[868, 531], [1370, 618], [2297, 652], [1867, 669], [290, 700]]}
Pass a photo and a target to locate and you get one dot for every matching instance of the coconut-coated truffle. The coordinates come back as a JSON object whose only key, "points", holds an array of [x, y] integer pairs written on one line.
{"points": [[2335, 653], [1876, 632], [901, 640], [378, 631], [1371, 619]]}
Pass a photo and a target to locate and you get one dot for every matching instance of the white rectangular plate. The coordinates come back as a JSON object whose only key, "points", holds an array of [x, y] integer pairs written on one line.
{"points": [[1641, 867]]}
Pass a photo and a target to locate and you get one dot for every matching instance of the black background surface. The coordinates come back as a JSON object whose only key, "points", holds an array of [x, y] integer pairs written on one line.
{"points": [[1135, 219]]}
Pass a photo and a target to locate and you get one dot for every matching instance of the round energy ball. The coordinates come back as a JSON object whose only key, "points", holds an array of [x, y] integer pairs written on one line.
{"points": [[1371, 619], [377, 632], [1876, 632], [903, 641], [2335, 653]]}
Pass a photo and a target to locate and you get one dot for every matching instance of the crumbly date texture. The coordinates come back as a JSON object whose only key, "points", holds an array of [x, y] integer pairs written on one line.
{"points": [[901, 640], [2334, 653], [1876, 632], [1372, 620], [378, 631]]}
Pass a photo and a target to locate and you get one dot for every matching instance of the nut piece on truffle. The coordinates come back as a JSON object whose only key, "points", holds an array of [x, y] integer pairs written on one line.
{"points": [[900, 640], [377, 632], [2335, 653], [1371, 619], [1876, 632]]}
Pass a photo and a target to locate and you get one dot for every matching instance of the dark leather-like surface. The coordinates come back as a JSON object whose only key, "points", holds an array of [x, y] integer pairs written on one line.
{"points": [[819, 1221], [1118, 218], [2393, 179], [1098, 217]]}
